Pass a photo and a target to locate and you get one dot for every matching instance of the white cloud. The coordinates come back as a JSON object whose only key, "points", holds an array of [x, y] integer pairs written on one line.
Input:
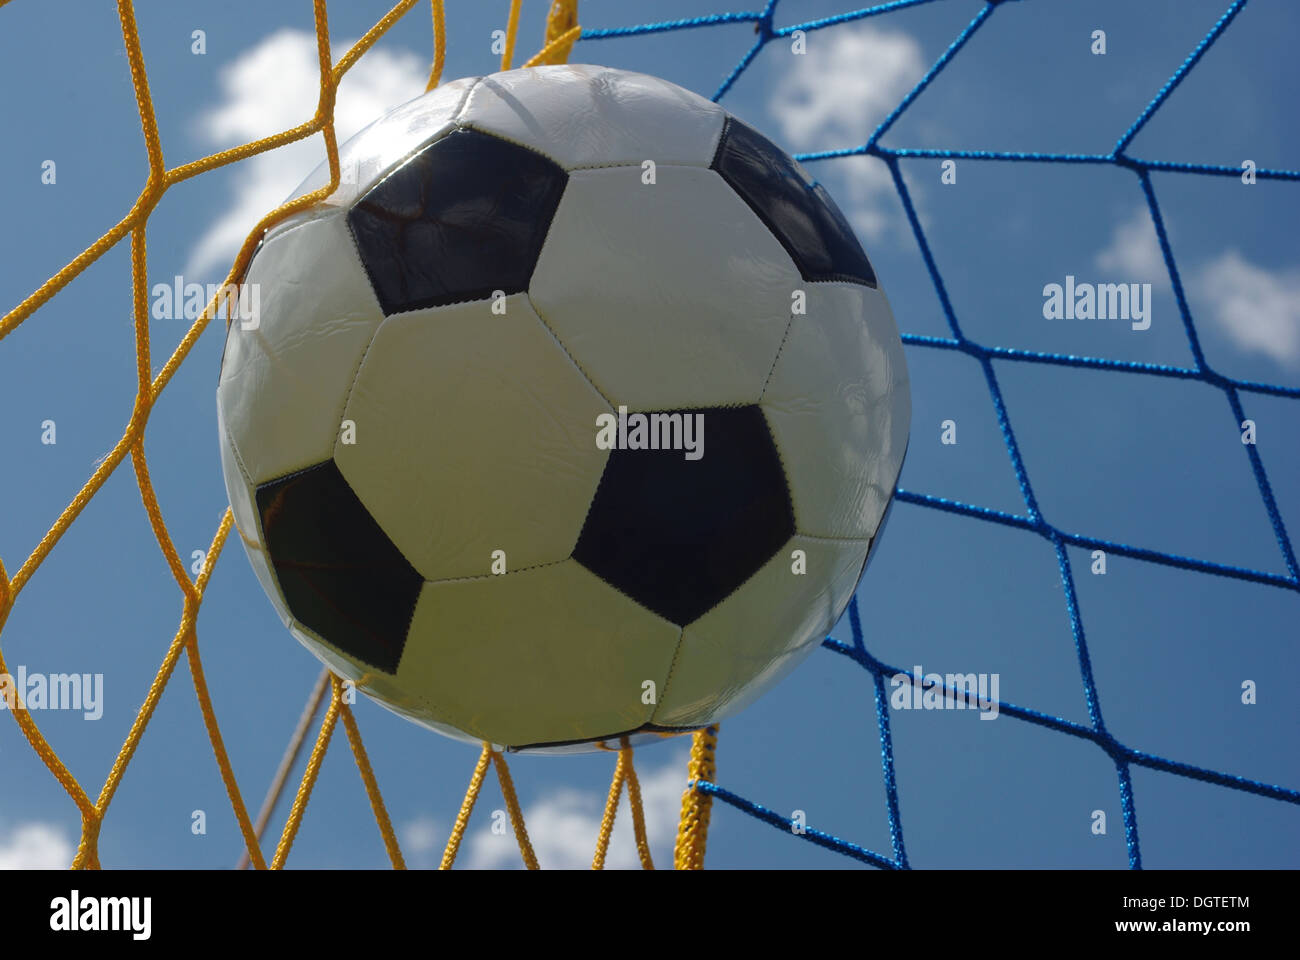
{"points": [[867, 184], [422, 842], [834, 96], [275, 86], [36, 846], [1259, 310], [563, 826], [1134, 251]]}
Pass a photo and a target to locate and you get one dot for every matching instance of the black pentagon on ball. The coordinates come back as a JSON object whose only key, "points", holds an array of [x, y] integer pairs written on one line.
{"points": [[678, 535], [799, 213], [340, 574], [464, 216]]}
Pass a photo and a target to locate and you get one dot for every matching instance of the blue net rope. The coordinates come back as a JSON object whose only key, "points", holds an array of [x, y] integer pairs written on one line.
{"points": [[1123, 756]]}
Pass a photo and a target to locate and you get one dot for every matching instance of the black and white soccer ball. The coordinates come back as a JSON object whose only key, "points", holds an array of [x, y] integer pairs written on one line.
{"points": [[439, 438]]}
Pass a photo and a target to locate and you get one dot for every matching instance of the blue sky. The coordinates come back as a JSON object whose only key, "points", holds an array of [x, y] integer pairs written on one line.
{"points": [[1149, 461]]}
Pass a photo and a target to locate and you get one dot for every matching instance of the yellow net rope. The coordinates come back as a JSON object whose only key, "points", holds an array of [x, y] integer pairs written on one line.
{"points": [[561, 33]]}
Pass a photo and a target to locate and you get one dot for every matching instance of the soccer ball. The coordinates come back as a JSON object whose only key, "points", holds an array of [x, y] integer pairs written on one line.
{"points": [[571, 415]]}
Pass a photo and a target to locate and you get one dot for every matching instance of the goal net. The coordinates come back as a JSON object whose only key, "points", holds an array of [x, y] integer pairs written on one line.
{"points": [[1037, 382]]}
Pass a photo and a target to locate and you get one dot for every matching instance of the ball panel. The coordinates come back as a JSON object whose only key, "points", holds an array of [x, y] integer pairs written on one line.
{"points": [[248, 527], [339, 572], [582, 115], [795, 208], [382, 687], [678, 535], [669, 295], [474, 433], [743, 646], [367, 155], [839, 407], [465, 216], [284, 381], [542, 655], [317, 211]]}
